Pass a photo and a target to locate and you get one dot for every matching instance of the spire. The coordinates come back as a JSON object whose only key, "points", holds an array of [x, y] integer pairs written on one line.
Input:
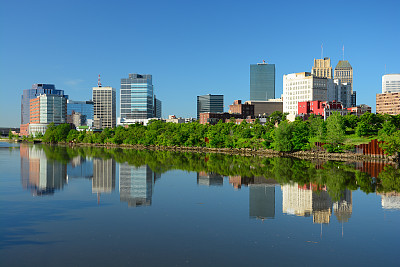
{"points": [[98, 82]]}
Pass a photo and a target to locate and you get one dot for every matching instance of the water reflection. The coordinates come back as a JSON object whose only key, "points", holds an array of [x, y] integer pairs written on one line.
{"points": [[40, 175], [308, 189], [136, 184]]}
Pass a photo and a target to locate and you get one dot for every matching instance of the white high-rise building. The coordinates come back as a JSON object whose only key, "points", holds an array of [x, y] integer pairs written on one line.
{"points": [[303, 86], [391, 83], [104, 108]]}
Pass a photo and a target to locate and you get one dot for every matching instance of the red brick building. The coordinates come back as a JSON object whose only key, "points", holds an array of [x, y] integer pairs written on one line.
{"points": [[322, 108]]}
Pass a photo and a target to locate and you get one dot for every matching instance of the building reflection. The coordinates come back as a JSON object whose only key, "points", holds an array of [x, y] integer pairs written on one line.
{"points": [[390, 201], [344, 207], [136, 184], [80, 167], [209, 179], [262, 201], [103, 176], [307, 200], [38, 174]]}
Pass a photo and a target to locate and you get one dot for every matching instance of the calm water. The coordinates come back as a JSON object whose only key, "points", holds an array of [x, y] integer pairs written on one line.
{"points": [[112, 207]]}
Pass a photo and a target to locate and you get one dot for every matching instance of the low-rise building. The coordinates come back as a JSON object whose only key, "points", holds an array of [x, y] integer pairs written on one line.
{"points": [[322, 108], [265, 108], [245, 109], [174, 119], [359, 110]]}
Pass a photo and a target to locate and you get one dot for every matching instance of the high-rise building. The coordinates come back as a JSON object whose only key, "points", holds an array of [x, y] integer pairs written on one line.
{"points": [[28, 94], [104, 107], [46, 109], [300, 87], [157, 108], [137, 97], [322, 68], [340, 92], [388, 103], [85, 108], [344, 72], [391, 83], [262, 81], [209, 103]]}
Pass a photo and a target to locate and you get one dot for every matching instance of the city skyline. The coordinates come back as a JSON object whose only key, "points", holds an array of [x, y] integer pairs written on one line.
{"points": [[194, 51]]}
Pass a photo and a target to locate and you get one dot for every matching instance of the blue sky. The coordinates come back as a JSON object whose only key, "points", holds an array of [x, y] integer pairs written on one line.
{"points": [[190, 47]]}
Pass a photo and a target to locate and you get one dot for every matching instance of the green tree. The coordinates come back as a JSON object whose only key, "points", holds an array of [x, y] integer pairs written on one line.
{"points": [[283, 137], [335, 131]]}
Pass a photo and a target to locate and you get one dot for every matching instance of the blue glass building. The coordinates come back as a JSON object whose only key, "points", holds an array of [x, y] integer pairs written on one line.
{"points": [[262, 81], [209, 103], [36, 90], [83, 107], [137, 98]]}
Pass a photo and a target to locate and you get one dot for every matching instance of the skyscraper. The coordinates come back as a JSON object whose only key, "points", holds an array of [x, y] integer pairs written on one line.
{"points": [[210, 103], [137, 97], [262, 81], [322, 68], [391, 83], [344, 72], [104, 107], [28, 94]]}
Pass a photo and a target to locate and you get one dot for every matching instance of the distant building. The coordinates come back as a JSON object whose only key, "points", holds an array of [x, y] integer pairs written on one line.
{"points": [[322, 108], [85, 108], [391, 83], [322, 68], [300, 87], [137, 97], [388, 103], [104, 109], [340, 92], [266, 108], [359, 110], [209, 103], [244, 109], [46, 109], [174, 119], [262, 81], [127, 122], [157, 107], [28, 94], [344, 72], [344, 207]]}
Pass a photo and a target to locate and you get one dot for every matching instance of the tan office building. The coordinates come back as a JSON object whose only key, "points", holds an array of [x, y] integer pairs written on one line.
{"points": [[104, 107], [322, 68], [388, 103]]}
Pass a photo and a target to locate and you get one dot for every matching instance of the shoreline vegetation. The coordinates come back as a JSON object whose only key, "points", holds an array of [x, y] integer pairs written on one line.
{"points": [[278, 137], [337, 176]]}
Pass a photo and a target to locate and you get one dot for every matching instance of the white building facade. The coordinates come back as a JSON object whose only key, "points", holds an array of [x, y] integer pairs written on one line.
{"points": [[391, 83], [303, 86]]}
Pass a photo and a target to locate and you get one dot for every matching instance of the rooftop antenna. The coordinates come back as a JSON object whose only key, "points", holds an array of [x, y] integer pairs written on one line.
{"points": [[385, 69], [322, 51], [98, 82], [343, 52]]}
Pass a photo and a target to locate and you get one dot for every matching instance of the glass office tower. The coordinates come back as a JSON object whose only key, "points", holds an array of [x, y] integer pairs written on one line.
{"points": [[83, 107], [137, 99], [36, 90], [209, 103], [262, 81]]}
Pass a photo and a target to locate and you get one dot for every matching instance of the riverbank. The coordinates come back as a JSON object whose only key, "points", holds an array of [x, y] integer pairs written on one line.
{"points": [[318, 154]]}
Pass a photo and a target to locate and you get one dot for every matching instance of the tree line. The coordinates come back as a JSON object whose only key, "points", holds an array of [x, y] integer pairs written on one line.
{"points": [[340, 133]]}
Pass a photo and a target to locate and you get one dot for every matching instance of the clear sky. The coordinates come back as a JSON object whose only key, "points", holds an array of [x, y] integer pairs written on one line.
{"points": [[190, 47]]}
